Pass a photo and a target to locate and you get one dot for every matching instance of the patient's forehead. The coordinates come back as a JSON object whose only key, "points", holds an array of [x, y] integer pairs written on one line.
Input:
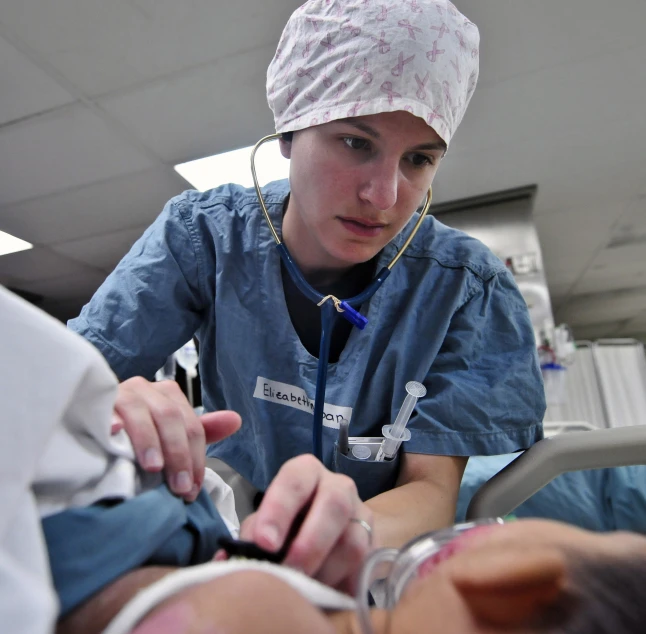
{"points": [[563, 536]]}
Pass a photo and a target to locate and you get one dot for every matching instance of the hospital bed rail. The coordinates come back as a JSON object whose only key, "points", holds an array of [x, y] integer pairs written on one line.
{"points": [[549, 458]]}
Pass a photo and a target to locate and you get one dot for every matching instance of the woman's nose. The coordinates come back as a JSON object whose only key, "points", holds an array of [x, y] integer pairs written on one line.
{"points": [[380, 185]]}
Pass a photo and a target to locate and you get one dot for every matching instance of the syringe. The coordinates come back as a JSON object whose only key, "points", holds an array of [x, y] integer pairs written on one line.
{"points": [[397, 433]]}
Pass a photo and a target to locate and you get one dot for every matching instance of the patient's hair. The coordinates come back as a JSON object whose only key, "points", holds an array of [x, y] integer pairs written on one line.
{"points": [[608, 596]]}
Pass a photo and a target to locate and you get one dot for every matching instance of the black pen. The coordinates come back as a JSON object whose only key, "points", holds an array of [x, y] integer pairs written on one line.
{"points": [[343, 436]]}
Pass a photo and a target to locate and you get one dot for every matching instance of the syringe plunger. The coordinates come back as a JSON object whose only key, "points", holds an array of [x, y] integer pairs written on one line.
{"points": [[397, 433]]}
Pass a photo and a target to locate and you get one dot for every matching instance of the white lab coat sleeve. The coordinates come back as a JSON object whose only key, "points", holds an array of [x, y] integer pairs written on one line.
{"points": [[28, 602], [222, 496], [52, 383]]}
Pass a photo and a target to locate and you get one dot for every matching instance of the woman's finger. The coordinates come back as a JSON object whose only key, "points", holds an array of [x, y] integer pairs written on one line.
{"points": [[336, 501], [247, 527], [220, 425], [220, 555], [340, 569], [117, 424], [187, 425], [170, 424], [292, 489], [131, 409]]}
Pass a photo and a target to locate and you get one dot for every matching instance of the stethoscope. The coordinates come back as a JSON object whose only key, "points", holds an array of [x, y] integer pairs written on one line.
{"points": [[331, 307]]}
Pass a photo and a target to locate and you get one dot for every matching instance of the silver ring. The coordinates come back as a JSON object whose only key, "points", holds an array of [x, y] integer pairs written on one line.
{"points": [[365, 525]]}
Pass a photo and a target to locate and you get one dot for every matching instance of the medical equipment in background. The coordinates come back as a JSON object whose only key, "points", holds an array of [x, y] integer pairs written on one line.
{"points": [[406, 564], [556, 354], [168, 371], [331, 307], [621, 370], [606, 385], [397, 433], [187, 358], [504, 221]]}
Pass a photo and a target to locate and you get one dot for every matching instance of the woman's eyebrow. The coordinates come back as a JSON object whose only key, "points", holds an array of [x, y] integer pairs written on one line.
{"points": [[438, 145], [364, 127]]}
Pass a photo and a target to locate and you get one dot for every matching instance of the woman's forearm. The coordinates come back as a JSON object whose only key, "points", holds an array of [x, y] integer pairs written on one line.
{"points": [[410, 510]]}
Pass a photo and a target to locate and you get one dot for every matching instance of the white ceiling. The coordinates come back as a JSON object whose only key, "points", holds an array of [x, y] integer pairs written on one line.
{"points": [[98, 101]]}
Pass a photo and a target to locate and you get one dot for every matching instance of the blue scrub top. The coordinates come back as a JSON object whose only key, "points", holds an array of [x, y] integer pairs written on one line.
{"points": [[450, 316]]}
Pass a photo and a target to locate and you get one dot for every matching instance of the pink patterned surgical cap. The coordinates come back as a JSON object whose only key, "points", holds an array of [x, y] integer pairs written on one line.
{"points": [[347, 58]]}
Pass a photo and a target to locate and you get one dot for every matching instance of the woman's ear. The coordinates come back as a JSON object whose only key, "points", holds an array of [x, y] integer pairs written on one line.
{"points": [[285, 147], [508, 589]]}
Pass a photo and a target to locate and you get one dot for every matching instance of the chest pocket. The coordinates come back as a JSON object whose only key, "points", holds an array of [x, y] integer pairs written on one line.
{"points": [[371, 478]]}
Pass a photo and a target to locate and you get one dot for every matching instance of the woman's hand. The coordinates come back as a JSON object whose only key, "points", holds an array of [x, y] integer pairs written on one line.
{"points": [[167, 434], [331, 544]]}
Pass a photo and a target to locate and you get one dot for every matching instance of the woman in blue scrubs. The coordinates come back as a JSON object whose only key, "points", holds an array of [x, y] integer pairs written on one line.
{"points": [[367, 99]]}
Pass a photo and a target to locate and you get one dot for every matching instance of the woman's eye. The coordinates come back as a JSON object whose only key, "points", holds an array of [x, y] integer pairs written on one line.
{"points": [[356, 143], [419, 160]]}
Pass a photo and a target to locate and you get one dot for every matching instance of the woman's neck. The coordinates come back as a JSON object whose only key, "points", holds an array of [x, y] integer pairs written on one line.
{"points": [[308, 256]]}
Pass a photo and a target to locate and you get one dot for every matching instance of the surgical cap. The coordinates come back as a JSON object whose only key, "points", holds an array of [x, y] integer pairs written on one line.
{"points": [[346, 58]]}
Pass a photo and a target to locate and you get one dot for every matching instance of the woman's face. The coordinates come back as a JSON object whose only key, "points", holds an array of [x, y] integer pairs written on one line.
{"points": [[355, 183]]}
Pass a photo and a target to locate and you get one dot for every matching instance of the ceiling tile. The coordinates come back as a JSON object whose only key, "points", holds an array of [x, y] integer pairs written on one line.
{"points": [[631, 255], [26, 89], [613, 261], [64, 149], [591, 332], [104, 251], [547, 106], [103, 46], [568, 178], [521, 38], [632, 227], [558, 290], [36, 264], [570, 239], [604, 307], [126, 201], [228, 108], [600, 282], [581, 180], [637, 323]]}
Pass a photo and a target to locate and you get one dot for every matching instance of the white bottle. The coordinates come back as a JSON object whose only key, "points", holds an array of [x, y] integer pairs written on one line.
{"points": [[187, 358]]}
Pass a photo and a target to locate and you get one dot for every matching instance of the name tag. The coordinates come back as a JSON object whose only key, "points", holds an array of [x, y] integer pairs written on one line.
{"points": [[294, 396]]}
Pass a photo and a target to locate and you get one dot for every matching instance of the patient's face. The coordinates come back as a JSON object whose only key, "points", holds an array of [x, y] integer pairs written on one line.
{"points": [[536, 535], [505, 578]]}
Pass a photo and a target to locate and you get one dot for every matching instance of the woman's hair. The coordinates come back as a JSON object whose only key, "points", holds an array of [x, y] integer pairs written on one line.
{"points": [[607, 596]]}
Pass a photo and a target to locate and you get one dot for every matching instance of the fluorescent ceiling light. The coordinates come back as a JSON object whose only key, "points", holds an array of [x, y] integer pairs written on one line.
{"points": [[11, 244], [234, 167]]}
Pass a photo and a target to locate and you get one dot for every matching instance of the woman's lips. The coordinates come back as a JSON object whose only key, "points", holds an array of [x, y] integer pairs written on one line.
{"points": [[362, 228]]}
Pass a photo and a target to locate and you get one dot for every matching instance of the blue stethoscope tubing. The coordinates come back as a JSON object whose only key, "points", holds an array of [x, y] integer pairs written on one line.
{"points": [[331, 307]]}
